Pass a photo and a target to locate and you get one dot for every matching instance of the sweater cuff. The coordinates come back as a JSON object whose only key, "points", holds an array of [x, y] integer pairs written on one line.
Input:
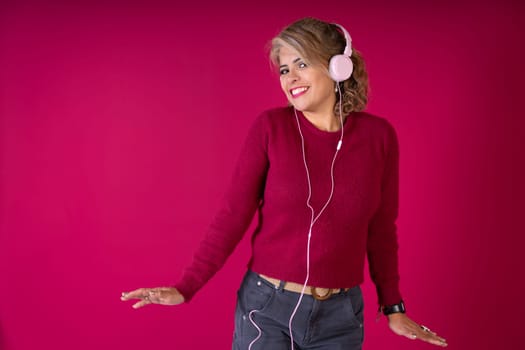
{"points": [[389, 294]]}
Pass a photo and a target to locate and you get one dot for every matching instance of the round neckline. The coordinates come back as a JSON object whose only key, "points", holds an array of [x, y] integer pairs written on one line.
{"points": [[310, 126]]}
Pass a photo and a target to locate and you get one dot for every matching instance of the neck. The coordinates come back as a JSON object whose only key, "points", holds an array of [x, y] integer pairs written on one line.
{"points": [[324, 121]]}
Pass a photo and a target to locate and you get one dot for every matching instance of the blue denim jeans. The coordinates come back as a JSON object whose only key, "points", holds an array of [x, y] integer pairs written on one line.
{"points": [[335, 323]]}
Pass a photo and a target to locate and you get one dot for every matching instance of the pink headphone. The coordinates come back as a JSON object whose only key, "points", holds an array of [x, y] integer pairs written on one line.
{"points": [[341, 66]]}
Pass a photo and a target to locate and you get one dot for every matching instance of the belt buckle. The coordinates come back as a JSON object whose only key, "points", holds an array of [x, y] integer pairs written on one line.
{"points": [[321, 297]]}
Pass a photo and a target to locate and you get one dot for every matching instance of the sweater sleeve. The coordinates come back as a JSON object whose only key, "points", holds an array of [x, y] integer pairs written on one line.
{"points": [[238, 207], [382, 244]]}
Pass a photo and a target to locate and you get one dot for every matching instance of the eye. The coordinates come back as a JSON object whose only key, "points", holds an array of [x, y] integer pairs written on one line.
{"points": [[302, 65], [283, 71]]}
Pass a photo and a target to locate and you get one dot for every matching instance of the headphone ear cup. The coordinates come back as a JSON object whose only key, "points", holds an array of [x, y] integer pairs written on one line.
{"points": [[340, 68]]}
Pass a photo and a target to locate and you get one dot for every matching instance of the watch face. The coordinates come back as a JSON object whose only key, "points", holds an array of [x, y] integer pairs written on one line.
{"points": [[402, 307], [396, 308]]}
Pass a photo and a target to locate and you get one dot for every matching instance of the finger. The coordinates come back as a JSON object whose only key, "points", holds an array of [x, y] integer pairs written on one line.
{"points": [[415, 331], [135, 294], [141, 303], [436, 341], [412, 330], [426, 329], [412, 336], [431, 337], [410, 333]]}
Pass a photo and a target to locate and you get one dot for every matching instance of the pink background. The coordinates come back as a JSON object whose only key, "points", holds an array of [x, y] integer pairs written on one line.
{"points": [[120, 125]]}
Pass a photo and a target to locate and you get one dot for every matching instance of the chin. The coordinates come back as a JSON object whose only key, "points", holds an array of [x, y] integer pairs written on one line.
{"points": [[301, 108]]}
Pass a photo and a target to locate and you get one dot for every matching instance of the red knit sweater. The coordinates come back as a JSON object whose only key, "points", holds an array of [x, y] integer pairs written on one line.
{"points": [[270, 179]]}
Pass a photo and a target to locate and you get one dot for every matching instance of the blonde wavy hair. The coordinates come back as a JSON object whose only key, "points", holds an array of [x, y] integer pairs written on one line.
{"points": [[317, 41]]}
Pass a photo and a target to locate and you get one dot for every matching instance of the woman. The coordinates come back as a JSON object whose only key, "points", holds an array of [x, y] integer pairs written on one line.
{"points": [[323, 177]]}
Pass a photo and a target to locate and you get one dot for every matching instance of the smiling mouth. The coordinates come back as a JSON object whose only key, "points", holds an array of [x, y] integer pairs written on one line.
{"points": [[296, 92]]}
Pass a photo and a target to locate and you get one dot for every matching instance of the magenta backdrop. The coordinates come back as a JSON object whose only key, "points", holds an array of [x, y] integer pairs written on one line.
{"points": [[120, 126]]}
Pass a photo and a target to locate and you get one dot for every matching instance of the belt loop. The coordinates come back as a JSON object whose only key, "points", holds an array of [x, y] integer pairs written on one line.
{"points": [[281, 285]]}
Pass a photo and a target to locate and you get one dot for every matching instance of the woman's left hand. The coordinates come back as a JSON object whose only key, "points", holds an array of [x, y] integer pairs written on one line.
{"points": [[400, 324]]}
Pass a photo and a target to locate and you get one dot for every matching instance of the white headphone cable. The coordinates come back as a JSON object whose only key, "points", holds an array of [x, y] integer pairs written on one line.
{"points": [[314, 219]]}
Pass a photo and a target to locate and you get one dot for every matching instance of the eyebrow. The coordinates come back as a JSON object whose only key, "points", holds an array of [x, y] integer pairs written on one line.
{"points": [[294, 61]]}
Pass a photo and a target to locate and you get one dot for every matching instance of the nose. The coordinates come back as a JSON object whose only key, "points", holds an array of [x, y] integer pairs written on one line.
{"points": [[292, 76]]}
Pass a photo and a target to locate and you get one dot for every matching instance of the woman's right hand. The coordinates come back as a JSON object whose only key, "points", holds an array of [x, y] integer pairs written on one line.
{"points": [[159, 295]]}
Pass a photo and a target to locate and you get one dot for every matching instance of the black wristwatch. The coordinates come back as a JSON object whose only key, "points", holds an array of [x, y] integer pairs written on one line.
{"points": [[393, 309]]}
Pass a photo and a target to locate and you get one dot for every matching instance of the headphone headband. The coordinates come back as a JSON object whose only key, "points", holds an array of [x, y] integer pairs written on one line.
{"points": [[348, 39]]}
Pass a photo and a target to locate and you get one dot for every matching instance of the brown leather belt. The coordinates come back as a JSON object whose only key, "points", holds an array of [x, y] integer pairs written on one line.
{"points": [[316, 292]]}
